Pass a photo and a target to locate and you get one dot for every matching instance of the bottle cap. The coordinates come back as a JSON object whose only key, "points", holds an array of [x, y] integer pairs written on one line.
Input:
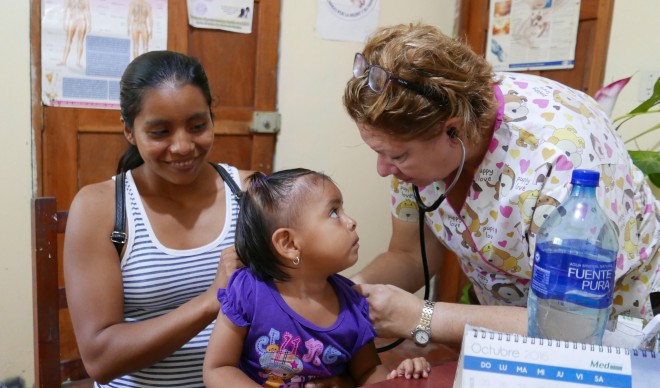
{"points": [[585, 178]]}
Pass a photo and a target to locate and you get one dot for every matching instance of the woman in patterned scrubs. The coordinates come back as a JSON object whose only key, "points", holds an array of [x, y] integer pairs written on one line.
{"points": [[522, 136]]}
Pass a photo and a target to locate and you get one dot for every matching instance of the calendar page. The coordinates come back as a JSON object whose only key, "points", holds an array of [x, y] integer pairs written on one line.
{"points": [[493, 359]]}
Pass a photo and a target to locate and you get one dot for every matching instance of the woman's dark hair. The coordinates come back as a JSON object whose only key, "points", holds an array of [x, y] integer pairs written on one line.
{"points": [[152, 70], [270, 202]]}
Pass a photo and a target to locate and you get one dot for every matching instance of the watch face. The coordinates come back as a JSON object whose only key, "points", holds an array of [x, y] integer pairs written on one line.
{"points": [[421, 337]]}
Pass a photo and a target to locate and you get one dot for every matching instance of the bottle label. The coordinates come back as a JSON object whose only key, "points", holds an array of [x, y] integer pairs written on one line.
{"points": [[574, 278]]}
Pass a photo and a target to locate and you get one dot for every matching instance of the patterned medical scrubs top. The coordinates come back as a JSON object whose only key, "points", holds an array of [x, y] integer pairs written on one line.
{"points": [[547, 130]]}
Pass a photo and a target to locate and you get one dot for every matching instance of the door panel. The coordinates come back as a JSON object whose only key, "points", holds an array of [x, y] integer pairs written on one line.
{"points": [[94, 147], [231, 78], [76, 147]]}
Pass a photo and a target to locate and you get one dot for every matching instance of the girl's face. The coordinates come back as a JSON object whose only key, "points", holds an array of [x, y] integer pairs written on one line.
{"points": [[327, 235], [420, 162], [173, 132]]}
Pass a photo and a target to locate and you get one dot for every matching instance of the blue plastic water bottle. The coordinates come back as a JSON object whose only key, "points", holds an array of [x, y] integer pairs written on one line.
{"points": [[574, 264]]}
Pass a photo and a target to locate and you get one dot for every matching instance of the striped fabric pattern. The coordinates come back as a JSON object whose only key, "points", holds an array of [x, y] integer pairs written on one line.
{"points": [[158, 279]]}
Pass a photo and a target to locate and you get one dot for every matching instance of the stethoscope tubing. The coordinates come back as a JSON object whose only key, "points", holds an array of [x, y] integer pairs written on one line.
{"points": [[434, 206], [423, 209]]}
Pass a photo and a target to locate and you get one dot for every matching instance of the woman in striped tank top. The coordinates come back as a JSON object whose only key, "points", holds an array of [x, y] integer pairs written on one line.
{"points": [[144, 318]]}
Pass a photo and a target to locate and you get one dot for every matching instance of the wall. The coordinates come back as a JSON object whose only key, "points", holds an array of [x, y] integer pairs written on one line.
{"points": [[16, 172], [316, 133]]}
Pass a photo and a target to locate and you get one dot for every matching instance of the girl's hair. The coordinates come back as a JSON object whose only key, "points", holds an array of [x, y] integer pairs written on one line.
{"points": [[269, 203], [153, 70], [423, 55]]}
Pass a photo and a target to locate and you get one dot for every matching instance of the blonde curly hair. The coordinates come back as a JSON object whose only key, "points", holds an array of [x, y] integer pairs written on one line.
{"points": [[422, 54]]}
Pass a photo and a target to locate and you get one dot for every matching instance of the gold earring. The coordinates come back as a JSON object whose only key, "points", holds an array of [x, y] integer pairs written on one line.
{"points": [[296, 261]]}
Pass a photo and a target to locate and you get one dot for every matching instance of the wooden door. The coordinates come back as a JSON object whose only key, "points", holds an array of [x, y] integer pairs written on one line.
{"points": [[587, 75], [76, 147]]}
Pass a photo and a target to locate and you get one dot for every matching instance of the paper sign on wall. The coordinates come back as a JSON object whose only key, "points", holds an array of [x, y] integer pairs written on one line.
{"points": [[228, 15], [346, 20]]}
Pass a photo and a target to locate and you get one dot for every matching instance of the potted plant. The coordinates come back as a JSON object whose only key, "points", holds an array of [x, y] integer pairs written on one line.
{"points": [[648, 161]]}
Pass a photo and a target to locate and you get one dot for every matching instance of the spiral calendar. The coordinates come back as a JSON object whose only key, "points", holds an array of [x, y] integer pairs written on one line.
{"points": [[493, 359]]}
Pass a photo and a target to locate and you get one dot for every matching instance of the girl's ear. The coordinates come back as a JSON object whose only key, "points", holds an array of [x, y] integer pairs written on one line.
{"points": [[128, 134], [284, 241]]}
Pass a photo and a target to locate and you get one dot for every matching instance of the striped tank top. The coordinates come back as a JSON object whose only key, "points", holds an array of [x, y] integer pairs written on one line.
{"points": [[158, 279]]}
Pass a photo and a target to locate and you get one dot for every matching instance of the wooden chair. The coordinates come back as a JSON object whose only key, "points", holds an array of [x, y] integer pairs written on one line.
{"points": [[49, 300]]}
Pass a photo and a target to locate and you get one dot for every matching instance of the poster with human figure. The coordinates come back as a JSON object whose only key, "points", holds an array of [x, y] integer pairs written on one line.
{"points": [[77, 22], [140, 26], [532, 34], [87, 44]]}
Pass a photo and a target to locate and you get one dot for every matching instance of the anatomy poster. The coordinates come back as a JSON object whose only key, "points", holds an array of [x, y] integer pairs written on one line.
{"points": [[532, 34], [87, 44], [228, 15]]}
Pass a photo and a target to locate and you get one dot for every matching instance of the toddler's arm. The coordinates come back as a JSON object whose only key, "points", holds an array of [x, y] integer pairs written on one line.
{"points": [[223, 355]]}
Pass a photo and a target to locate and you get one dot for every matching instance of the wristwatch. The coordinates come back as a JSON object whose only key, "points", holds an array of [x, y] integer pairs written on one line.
{"points": [[422, 333]]}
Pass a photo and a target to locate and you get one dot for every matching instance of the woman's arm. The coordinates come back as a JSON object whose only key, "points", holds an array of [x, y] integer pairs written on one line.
{"points": [[449, 320], [223, 355], [401, 264], [395, 313], [109, 346]]}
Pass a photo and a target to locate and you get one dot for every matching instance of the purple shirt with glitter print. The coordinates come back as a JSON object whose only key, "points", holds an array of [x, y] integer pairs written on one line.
{"points": [[285, 349]]}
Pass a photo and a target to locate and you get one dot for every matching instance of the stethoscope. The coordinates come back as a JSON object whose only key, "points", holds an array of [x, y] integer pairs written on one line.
{"points": [[423, 209]]}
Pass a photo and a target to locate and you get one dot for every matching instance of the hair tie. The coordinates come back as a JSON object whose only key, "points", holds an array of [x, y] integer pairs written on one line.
{"points": [[260, 180]]}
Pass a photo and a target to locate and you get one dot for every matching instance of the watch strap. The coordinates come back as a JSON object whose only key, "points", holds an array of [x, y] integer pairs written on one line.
{"points": [[424, 321], [427, 314]]}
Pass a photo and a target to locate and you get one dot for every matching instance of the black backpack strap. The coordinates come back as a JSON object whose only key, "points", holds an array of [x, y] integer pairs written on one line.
{"points": [[229, 180], [118, 236]]}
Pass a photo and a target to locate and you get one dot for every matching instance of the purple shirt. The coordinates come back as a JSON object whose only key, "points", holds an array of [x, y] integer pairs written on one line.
{"points": [[285, 349]]}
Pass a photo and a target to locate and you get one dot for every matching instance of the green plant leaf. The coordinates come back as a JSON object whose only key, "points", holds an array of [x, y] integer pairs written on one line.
{"points": [[655, 179], [647, 161], [651, 102]]}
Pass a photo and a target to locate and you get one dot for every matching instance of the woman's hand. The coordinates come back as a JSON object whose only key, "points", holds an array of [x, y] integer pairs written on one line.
{"points": [[229, 262], [393, 312]]}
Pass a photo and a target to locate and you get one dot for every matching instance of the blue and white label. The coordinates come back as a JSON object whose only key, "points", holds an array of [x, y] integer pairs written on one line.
{"points": [[573, 277]]}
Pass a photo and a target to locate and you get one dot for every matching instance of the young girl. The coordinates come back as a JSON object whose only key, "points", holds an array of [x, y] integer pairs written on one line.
{"points": [[288, 318]]}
